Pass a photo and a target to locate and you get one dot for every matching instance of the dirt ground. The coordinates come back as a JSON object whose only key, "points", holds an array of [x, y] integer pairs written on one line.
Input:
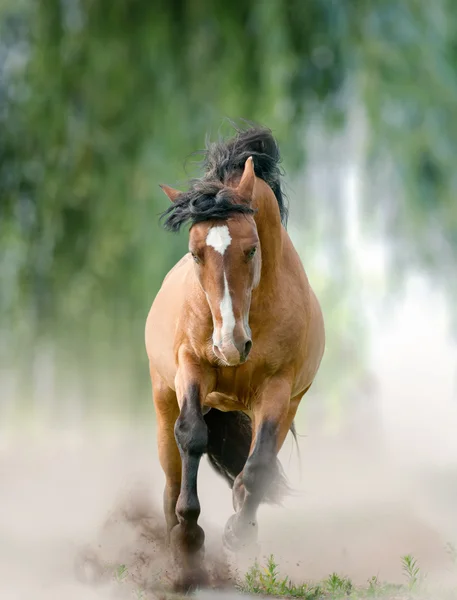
{"points": [[75, 506]]}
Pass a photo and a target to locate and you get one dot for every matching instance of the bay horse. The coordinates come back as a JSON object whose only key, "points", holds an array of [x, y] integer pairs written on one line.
{"points": [[234, 337]]}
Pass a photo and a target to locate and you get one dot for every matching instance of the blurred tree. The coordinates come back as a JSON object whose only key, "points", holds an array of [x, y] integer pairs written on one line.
{"points": [[408, 57], [102, 99]]}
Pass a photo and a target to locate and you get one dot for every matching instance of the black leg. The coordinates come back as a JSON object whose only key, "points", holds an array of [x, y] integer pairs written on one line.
{"points": [[187, 538], [251, 487]]}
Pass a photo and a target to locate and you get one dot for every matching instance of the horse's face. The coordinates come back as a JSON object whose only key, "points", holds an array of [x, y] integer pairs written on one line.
{"points": [[227, 259], [228, 263]]}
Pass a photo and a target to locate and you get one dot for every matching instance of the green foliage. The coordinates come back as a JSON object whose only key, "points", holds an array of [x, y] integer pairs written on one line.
{"points": [[338, 586], [121, 573], [105, 102], [411, 570], [101, 101], [373, 586], [266, 580], [407, 76]]}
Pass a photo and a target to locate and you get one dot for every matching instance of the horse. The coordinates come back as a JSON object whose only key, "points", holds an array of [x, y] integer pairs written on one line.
{"points": [[234, 338]]}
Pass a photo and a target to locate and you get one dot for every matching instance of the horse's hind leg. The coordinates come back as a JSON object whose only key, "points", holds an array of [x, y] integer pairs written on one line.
{"points": [[167, 411], [273, 416]]}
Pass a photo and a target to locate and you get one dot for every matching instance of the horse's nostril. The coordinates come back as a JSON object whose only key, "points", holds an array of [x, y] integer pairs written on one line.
{"points": [[247, 349]]}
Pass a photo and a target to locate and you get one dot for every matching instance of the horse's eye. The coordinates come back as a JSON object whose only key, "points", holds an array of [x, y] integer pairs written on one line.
{"points": [[196, 258], [251, 253]]}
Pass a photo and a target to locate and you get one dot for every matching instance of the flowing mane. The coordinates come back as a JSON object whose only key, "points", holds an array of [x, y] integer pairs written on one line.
{"points": [[209, 197]]}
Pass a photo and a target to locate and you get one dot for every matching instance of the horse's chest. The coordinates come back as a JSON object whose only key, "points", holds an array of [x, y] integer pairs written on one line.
{"points": [[224, 402], [235, 388]]}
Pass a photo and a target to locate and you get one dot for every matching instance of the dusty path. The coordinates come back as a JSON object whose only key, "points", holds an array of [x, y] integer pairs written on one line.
{"points": [[63, 492]]}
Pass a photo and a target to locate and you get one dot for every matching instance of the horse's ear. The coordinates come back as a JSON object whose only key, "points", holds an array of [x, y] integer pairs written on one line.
{"points": [[170, 192], [246, 185]]}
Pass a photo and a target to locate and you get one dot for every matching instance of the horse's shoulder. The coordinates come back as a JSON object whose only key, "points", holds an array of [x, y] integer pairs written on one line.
{"points": [[184, 260]]}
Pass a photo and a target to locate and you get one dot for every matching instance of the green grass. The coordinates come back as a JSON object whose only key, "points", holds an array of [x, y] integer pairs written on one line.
{"points": [[266, 580], [120, 573], [411, 570]]}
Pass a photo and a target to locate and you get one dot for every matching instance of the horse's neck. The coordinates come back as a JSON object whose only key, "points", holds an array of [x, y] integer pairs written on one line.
{"points": [[270, 230]]}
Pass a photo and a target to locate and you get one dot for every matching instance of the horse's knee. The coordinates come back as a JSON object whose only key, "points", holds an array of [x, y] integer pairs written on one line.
{"points": [[191, 434], [191, 431], [258, 473], [192, 438], [260, 467]]}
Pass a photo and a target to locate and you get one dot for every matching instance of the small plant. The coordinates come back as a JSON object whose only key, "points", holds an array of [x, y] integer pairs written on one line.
{"points": [[338, 586], [373, 586], [252, 579], [121, 573], [411, 570], [271, 576], [267, 581]]}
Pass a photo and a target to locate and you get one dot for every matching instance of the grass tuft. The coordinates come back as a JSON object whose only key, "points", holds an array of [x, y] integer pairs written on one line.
{"points": [[266, 580], [338, 586], [411, 570], [120, 573]]}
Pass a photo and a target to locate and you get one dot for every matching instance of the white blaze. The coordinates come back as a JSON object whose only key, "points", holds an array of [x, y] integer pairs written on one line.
{"points": [[219, 238], [228, 318]]}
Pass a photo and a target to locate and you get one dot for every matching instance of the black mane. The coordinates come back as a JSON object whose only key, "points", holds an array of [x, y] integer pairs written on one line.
{"points": [[208, 198]]}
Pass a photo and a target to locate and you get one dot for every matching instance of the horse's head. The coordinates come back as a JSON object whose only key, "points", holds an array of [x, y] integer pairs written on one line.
{"points": [[227, 258]]}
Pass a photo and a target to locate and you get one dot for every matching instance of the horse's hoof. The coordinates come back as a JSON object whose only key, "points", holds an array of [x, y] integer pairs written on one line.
{"points": [[185, 540], [190, 581], [238, 535]]}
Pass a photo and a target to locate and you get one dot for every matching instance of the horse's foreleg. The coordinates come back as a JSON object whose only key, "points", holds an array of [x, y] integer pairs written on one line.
{"points": [[187, 537], [273, 415]]}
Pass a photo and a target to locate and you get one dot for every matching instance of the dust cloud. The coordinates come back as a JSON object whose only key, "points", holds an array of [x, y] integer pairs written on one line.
{"points": [[81, 514], [80, 508]]}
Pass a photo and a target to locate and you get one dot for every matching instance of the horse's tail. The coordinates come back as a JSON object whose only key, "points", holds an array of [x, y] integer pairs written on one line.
{"points": [[229, 441]]}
